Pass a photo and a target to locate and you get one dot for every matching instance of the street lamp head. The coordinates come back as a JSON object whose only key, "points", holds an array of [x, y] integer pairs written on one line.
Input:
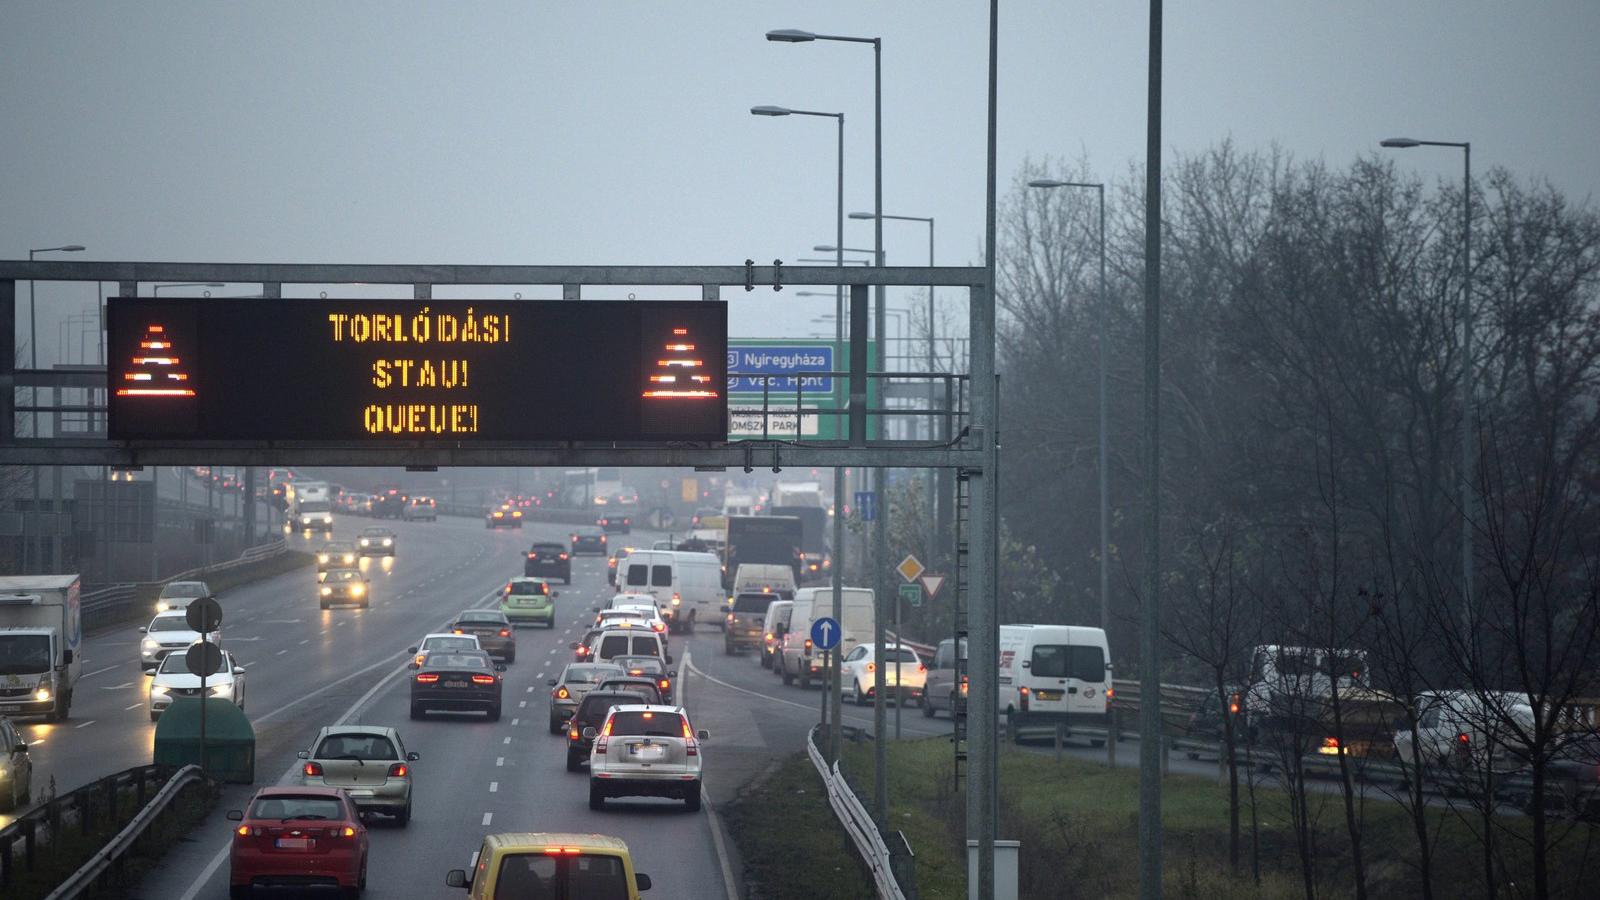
{"points": [[769, 111], [863, 215], [72, 248], [825, 248], [1046, 183], [1400, 143], [790, 36]]}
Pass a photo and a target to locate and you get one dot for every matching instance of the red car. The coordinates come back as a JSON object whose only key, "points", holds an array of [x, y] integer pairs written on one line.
{"points": [[298, 837]]}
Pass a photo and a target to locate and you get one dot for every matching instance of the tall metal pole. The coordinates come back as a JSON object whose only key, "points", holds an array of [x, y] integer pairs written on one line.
{"points": [[832, 684], [983, 639], [1469, 384], [1150, 631], [880, 524], [1105, 484]]}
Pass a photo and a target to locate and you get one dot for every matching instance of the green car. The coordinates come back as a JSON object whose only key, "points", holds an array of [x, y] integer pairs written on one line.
{"points": [[529, 600]]}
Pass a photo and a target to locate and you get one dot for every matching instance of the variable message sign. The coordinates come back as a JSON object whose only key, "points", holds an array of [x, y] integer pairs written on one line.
{"points": [[389, 370]]}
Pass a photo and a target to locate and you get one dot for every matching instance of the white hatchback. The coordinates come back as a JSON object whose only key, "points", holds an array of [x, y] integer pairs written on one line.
{"points": [[858, 673], [645, 750], [173, 680]]}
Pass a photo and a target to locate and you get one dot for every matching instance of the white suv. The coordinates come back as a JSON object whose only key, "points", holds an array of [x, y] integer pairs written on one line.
{"points": [[645, 750]]}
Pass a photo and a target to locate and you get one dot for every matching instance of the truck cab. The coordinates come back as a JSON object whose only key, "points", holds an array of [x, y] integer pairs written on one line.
{"points": [[40, 633]]}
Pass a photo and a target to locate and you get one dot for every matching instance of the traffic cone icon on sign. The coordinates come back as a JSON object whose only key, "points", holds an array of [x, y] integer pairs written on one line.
{"points": [[156, 370], [680, 371]]}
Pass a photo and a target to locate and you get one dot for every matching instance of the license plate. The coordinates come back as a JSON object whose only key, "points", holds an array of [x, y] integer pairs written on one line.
{"points": [[649, 751], [455, 684], [293, 843], [1048, 695]]}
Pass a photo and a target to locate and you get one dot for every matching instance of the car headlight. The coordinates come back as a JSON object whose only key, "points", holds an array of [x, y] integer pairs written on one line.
{"points": [[151, 645], [388, 542], [42, 694], [365, 542], [160, 690], [357, 590], [221, 689], [323, 557], [349, 557], [327, 591]]}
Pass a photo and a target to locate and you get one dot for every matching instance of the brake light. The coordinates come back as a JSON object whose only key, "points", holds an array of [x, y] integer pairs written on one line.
{"points": [[457, 631], [921, 667], [398, 770], [572, 733], [313, 769], [505, 632], [533, 556], [483, 679], [582, 650], [556, 851], [659, 627], [563, 556], [730, 617], [769, 637], [808, 645], [664, 684], [1109, 692], [1023, 692], [600, 744]]}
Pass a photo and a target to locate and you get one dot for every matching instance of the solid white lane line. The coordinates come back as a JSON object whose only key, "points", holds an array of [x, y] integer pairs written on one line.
{"points": [[494, 787], [488, 817], [715, 823], [97, 672]]}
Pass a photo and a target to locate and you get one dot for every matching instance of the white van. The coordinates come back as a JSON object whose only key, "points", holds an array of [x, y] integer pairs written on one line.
{"points": [[797, 658], [1467, 731], [773, 626], [758, 578], [687, 587], [1053, 674]]}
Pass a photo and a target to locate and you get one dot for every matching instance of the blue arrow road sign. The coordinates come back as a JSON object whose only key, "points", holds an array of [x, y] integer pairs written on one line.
{"points": [[867, 505], [825, 633]]}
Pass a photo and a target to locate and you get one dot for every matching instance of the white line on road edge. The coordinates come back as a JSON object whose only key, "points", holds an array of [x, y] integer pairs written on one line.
{"points": [[222, 853], [705, 799]]}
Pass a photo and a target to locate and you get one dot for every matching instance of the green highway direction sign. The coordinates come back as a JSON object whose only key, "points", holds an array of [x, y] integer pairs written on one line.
{"points": [[911, 595], [783, 364]]}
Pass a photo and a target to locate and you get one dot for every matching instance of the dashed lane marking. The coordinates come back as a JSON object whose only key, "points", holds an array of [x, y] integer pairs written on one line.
{"points": [[488, 817], [499, 760], [84, 724], [97, 672], [521, 704], [135, 706], [494, 787], [116, 687]]}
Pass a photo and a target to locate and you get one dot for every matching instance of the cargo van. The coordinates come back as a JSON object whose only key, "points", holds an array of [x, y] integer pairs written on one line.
{"points": [[687, 587], [1054, 674], [797, 658], [773, 626]]}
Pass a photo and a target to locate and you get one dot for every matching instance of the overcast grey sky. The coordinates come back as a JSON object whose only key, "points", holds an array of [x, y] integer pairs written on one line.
{"points": [[619, 132]]}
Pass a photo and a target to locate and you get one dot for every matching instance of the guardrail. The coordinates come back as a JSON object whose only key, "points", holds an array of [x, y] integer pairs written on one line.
{"points": [[109, 602], [107, 857], [857, 823], [50, 824]]}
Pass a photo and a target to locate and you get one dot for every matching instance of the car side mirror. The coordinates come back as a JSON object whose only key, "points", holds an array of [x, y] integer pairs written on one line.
{"points": [[554, 594], [589, 733], [456, 878], [304, 754], [573, 645], [499, 667], [642, 881], [235, 815], [703, 735], [669, 659], [596, 608], [144, 631], [413, 756], [66, 656], [551, 682], [21, 747], [411, 649], [673, 673], [238, 670]]}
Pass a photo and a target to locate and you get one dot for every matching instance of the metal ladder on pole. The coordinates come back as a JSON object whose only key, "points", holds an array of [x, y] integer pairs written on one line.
{"points": [[958, 707]]}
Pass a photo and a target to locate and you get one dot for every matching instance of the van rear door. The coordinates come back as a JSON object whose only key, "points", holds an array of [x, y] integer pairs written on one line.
{"points": [[1067, 677]]}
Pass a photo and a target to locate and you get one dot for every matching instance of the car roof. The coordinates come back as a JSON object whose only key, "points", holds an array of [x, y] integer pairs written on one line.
{"points": [[650, 707], [538, 840], [495, 614], [447, 634], [376, 530], [172, 614], [385, 730], [284, 790]]}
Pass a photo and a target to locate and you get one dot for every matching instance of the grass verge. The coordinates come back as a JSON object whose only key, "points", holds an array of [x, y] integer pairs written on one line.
{"points": [[1077, 822], [790, 842]]}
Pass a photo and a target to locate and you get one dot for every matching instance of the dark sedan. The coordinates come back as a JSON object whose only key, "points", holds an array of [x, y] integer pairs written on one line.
{"points": [[343, 586], [652, 668], [639, 684], [548, 561], [589, 540], [615, 524], [457, 681], [493, 629], [376, 542], [591, 713]]}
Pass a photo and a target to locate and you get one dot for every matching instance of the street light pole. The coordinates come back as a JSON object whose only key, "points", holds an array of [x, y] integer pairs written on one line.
{"points": [[833, 699], [1469, 372], [1100, 387], [33, 396]]}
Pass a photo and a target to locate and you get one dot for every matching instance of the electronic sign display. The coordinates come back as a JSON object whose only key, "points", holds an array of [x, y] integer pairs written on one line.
{"points": [[416, 370]]}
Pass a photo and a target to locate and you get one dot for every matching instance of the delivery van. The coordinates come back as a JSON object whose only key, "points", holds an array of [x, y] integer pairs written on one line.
{"points": [[1054, 674], [687, 587]]}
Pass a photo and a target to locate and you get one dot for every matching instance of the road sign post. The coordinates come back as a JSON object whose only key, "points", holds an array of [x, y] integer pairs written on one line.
{"points": [[203, 615]]}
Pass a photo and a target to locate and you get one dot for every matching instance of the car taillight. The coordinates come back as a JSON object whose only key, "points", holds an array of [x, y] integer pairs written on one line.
{"points": [[730, 617], [1024, 694], [398, 770], [572, 733], [457, 631], [313, 769], [505, 632], [627, 521], [664, 684], [658, 626], [563, 556], [600, 744], [769, 637], [808, 646], [872, 667], [583, 651], [483, 679], [533, 556], [347, 831], [1110, 692], [427, 677], [921, 667]]}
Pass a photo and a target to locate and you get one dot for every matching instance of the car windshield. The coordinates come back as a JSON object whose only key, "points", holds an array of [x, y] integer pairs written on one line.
{"points": [[596, 706], [296, 807], [480, 618], [343, 575], [337, 548], [589, 674], [356, 746], [169, 623], [447, 660], [25, 654], [753, 603], [315, 506], [183, 589], [529, 588], [376, 532], [178, 664], [645, 723]]}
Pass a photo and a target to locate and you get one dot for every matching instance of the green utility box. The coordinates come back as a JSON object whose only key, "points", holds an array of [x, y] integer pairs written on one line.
{"points": [[230, 753]]}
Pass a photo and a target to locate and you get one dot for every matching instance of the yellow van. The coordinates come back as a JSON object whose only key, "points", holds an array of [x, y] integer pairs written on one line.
{"points": [[525, 864]]}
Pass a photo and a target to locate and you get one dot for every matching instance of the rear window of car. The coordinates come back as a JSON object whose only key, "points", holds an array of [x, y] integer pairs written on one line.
{"points": [[483, 618], [613, 645], [356, 746], [297, 807], [450, 643], [648, 688], [648, 665], [644, 723], [447, 660], [547, 548], [753, 603], [1082, 662], [589, 674], [595, 707], [645, 645], [530, 588]]}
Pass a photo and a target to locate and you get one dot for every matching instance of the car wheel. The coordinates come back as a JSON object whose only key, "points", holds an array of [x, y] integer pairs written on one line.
{"points": [[784, 674], [418, 712], [557, 726], [861, 696], [154, 716], [597, 797], [494, 714], [1012, 728], [927, 708], [322, 603], [401, 818], [574, 763], [11, 802], [691, 801], [511, 657]]}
